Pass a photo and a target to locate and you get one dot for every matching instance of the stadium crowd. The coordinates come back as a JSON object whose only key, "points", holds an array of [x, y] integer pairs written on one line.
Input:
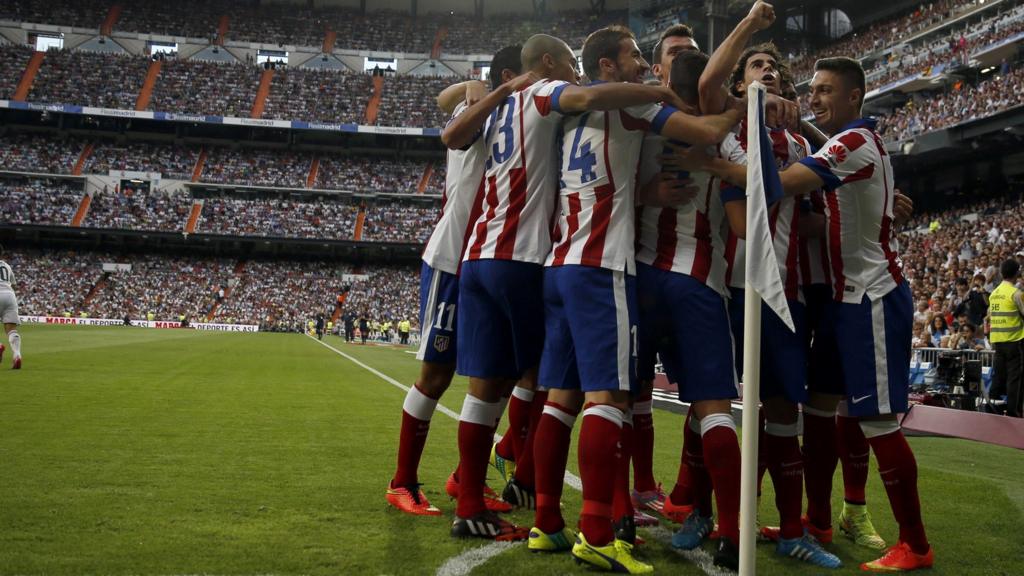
{"points": [[952, 262], [994, 95], [324, 217], [201, 87], [410, 101], [318, 95], [38, 153], [54, 282], [399, 222], [13, 59], [254, 167], [89, 78], [880, 35], [170, 160], [370, 173], [42, 201], [390, 293], [139, 209]]}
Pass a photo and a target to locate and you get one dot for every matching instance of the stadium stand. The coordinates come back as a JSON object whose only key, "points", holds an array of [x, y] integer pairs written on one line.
{"points": [[54, 282], [994, 95], [390, 293], [257, 167], [318, 95], [38, 153], [200, 87], [170, 160], [326, 217], [409, 101], [399, 222], [128, 209], [13, 60], [46, 202], [89, 79], [369, 173]]}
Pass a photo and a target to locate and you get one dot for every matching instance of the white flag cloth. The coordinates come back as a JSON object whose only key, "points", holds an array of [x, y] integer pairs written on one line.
{"points": [[762, 269]]}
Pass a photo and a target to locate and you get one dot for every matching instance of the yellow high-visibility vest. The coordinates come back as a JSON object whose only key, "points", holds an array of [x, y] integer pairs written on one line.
{"points": [[1007, 325]]}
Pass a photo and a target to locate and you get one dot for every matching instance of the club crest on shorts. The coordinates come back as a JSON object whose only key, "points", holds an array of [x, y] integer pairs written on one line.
{"points": [[441, 342]]}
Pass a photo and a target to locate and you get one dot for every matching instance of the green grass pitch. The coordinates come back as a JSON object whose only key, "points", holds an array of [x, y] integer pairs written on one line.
{"points": [[136, 451]]}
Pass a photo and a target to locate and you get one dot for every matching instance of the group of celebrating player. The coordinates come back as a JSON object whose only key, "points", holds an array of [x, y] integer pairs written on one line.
{"points": [[587, 231]]}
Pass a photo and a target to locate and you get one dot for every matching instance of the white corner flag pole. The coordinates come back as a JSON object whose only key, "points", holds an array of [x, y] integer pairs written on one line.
{"points": [[751, 366]]}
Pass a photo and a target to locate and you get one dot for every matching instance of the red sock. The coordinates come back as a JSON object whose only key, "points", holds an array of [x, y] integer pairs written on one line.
{"points": [[722, 459], [786, 466], [854, 453], [506, 448], [599, 458], [518, 420], [643, 444], [554, 433], [525, 470], [416, 414], [820, 461], [683, 493], [898, 468], [476, 433], [622, 504]]}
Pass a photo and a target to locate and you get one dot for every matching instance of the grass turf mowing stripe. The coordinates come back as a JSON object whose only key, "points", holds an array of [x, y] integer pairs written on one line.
{"points": [[467, 561]]}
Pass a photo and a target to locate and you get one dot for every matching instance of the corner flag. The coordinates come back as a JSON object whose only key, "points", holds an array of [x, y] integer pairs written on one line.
{"points": [[763, 184]]}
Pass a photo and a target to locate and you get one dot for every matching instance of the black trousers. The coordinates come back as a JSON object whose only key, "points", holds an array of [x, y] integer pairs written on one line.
{"points": [[1006, 379]]}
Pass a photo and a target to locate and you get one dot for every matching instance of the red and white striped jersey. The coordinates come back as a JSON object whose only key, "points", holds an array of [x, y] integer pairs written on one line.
{"points": [[783, 216], [686, 239], [521, 177], [814, 268], [460, 203], [596, 223], [862, 248]]}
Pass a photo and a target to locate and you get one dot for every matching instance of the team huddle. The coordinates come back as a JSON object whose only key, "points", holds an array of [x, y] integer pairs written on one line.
{"points": [[590, 230]]}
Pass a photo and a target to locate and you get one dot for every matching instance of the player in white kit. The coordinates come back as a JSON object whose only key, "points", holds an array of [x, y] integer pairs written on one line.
{"points": [[9, 312]]}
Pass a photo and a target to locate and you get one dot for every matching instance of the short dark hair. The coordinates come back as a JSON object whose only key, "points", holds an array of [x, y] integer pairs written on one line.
{"points": [[850, 69], [768, 48], [961, 281], [675, 30], [603, 43], [1009, 269], [508, 58], [686, 71]]}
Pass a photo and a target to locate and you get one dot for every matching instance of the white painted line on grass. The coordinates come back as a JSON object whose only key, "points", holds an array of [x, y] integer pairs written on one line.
{"points": [[698, 555], [465, 563], [469, 560]]}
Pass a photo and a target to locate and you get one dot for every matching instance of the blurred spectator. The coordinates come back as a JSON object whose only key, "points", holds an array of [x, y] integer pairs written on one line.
{"points": [[44, 202], [318, 95], [327, 217], [39, 153], [397, 222], [171, 161], [90, 79], [412, 101], [250, 167], [13, 60], [140, 209], [199, 87]]}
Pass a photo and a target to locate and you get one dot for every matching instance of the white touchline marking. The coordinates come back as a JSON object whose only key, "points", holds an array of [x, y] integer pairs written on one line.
{"points": [[698, 556], [465, 563]]}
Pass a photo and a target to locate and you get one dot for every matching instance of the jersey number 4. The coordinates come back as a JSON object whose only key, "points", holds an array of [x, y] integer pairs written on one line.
{"points": [[580, 157]]}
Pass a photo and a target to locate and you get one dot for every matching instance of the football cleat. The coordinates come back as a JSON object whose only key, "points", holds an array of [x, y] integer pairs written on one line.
{"points": [[809, 550], [519, 496], [649, 500], [410, 499], [488, 525], [771, 533], [727, 555], [693, 531], [855, 523], [504, 466], [643, 519], [900, 558], [17, 363], [543, 542], [493, 502], [675, 512], [616, 556]]}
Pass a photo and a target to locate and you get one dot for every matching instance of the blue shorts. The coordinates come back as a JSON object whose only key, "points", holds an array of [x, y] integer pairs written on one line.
{"points": [[874, 340], [439, 295], [501, 318], [783, 353], [817, 296], [590, 323], [686, 323]]}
